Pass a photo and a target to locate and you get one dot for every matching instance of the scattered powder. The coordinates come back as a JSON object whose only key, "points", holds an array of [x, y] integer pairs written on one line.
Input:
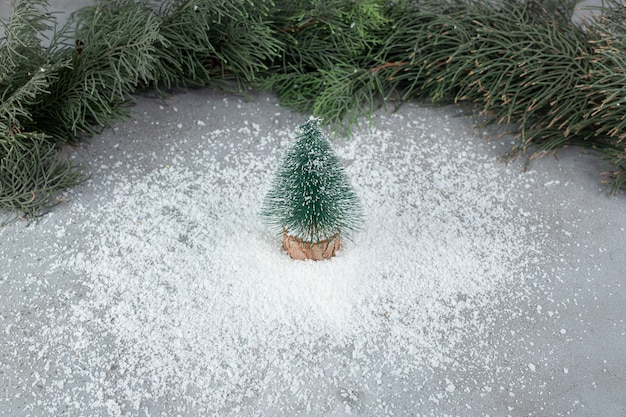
{"points": [[192, 302]]}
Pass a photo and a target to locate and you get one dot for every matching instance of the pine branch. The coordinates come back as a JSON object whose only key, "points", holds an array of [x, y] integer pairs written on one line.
{"points": [[208, 41], [30, 174], [115, 56]]}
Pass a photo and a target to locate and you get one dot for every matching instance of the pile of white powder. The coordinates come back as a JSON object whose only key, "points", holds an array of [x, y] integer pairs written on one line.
{"points": [[193, 308]]}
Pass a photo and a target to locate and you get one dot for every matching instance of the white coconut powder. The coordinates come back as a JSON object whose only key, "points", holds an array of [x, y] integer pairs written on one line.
{"points": [[193, 308]]}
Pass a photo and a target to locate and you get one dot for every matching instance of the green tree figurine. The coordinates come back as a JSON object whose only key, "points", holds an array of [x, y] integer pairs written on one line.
{"points": [[311, 201]]}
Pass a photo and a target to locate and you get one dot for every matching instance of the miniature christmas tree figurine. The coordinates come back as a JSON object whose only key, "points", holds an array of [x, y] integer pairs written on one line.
{"points": [[311, 200]]}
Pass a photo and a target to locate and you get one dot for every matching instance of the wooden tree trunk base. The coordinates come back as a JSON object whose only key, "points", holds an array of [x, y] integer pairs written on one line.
{"points": [[300, 250]]}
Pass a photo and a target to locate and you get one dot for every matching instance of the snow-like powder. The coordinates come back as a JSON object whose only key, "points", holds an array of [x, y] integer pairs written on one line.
{"points": [[193, 303]]}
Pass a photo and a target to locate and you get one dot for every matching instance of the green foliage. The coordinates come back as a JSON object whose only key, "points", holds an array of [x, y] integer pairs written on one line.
{"points": [[327, 54], [111, 53], [311, 197], [604, 90], [522, 62], [209, 41], [30, 173]]}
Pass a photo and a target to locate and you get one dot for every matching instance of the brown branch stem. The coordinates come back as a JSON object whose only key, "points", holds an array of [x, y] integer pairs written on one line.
{"points": [[387, 65]]}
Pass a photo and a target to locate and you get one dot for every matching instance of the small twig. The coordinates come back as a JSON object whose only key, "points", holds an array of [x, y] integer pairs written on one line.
{"points": [[387, 65]]}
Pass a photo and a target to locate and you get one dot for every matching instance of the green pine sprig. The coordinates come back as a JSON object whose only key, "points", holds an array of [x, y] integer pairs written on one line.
{"points": [[209, 42], [31, 174], [111, 50]]}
